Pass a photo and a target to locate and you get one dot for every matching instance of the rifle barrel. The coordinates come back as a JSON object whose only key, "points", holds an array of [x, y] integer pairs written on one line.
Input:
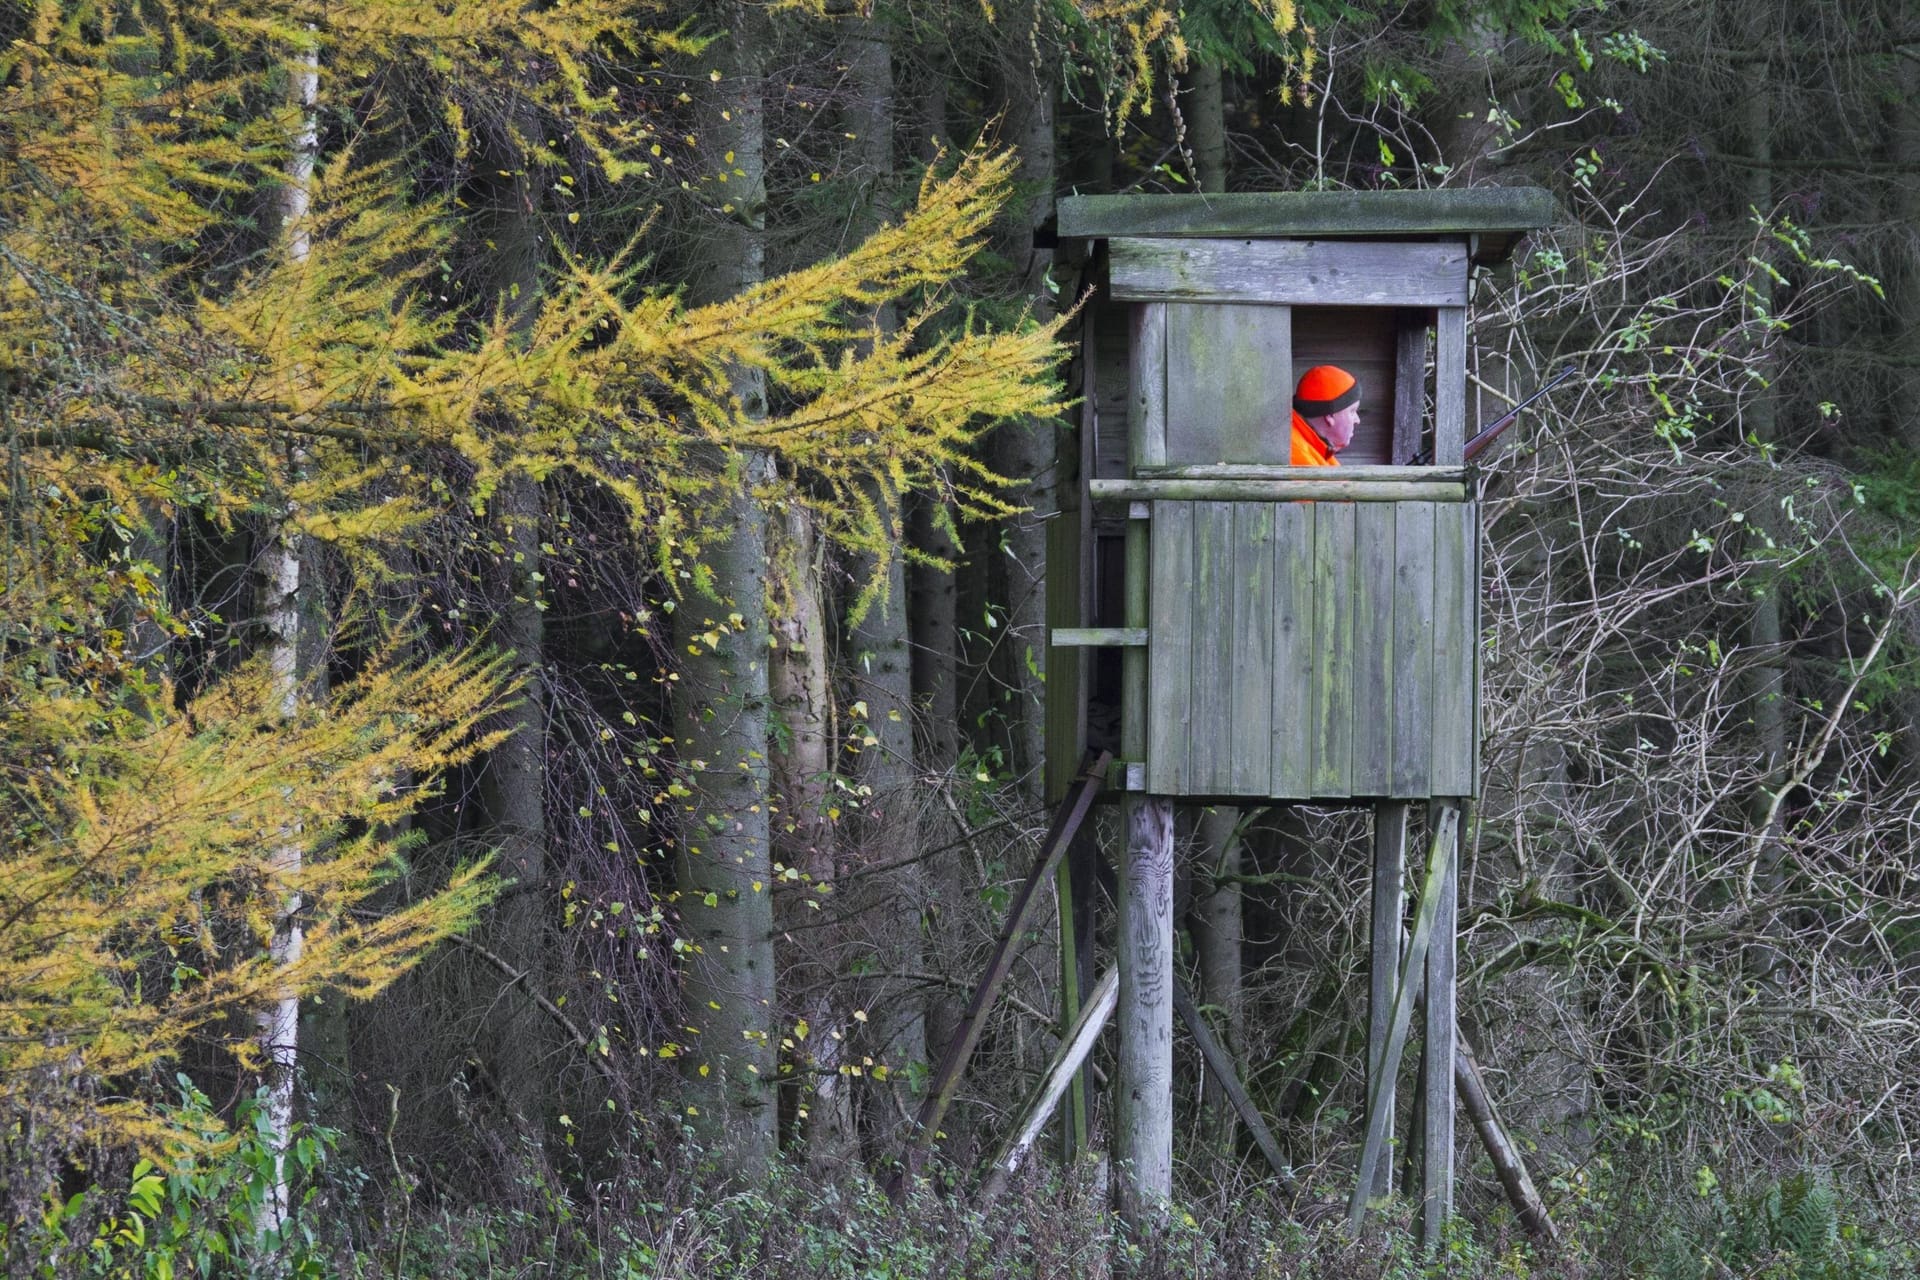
{"points": [[1485, 437]]}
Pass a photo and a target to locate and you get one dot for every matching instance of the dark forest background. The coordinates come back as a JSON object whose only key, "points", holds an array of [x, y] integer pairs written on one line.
{"points": [[525, 535]]}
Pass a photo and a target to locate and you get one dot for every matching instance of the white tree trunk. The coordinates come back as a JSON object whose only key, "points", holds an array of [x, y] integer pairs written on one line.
{"points": [[277, 1024]]}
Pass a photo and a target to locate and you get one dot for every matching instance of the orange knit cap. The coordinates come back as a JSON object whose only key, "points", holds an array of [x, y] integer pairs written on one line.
{"points": [[1325, 389]]}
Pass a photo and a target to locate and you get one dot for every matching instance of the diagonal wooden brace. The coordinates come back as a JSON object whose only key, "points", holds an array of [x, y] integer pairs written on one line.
{"points": [[1066, 821], [1093, 1018]]}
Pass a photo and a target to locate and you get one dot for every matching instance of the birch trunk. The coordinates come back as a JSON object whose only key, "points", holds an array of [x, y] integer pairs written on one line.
{"points": [[277, 1024]]}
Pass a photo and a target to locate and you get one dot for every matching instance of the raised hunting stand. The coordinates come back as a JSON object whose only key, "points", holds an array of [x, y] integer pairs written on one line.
{"points": [[1284, 634]]}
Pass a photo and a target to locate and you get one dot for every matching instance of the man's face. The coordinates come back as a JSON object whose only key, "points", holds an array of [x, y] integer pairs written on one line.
{"points": [[1337, 428]]}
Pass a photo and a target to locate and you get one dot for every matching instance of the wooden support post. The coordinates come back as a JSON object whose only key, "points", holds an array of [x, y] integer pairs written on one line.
{"points": [[1440, 1036], [1143, 1084], [1389, 901], [1413, 972], [1081, 1035], [1143, 1109], [1221, 1064], [1073, 1132]]}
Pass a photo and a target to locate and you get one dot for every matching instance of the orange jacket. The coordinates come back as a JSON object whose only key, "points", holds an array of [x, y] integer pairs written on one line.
{"points": [[1309, 450]]}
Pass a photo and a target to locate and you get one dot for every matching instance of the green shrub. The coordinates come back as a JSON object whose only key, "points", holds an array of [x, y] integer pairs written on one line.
{"points": [[196, 1219]]}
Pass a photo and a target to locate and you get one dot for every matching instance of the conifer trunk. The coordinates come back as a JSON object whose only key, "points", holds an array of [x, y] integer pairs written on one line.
{"points": [[725, 856], [1767, 685], [515, 1039], [804, 835], [1024, 450], [881, 665], [1218, 934], [1206, 120]]}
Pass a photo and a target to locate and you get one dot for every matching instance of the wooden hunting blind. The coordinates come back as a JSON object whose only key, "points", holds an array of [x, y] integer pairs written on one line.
{"points": [[1307, 634], [1238, 630]]}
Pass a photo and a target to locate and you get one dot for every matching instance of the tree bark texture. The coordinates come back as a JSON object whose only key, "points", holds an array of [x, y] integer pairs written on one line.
{"points": [[1206, 121], [880, 670], [725, 860], [1024, 450], [512, 1040], [804, 834], [277, 1025], [1218, 935], [721, 705]]}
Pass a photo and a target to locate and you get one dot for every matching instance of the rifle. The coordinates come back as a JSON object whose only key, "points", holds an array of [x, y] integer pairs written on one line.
{"points": [[1483, 439]]}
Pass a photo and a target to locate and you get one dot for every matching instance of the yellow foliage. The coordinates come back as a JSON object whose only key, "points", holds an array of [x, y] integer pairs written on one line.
{"points": [[138, 882], [143, 371]]}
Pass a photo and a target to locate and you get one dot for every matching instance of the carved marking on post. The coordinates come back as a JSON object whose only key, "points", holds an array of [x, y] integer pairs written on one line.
{"points": [[1144, 1082]]}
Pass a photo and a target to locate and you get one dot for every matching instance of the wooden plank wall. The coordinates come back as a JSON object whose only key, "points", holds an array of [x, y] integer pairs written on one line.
{"points": [[1229, 383], [1313, 650], [1333, 273], [1110, 399], [1229, 373]]}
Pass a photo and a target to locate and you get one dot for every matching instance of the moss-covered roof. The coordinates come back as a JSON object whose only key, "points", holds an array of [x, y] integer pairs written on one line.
{"points": [[1496, 215]]}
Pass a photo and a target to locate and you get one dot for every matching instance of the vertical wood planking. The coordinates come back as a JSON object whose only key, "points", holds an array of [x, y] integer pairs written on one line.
{"points": [[1409, 385], [1251, 663], [1473, 668], [1111, 400], [1450, 386], [1294, 628], [1147, 399], [1134, 682], [1438, 1047], [1373, 649], [1229, 383], [1412, 710], [1332, 660], [1455, 588], [1170, 649], [1214, 597], [1389, 905]]}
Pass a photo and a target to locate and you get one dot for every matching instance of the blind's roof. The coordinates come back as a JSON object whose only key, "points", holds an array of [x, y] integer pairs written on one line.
{"points": [[1497, 216]]}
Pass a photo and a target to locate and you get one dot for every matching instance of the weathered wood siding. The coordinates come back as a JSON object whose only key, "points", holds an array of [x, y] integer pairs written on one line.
{"points": [[1308, 273], [1313, 650], [1229, 382]]}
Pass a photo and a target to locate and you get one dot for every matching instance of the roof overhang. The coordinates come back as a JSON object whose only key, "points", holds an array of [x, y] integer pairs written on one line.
{"points": [[1491, 218]]}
